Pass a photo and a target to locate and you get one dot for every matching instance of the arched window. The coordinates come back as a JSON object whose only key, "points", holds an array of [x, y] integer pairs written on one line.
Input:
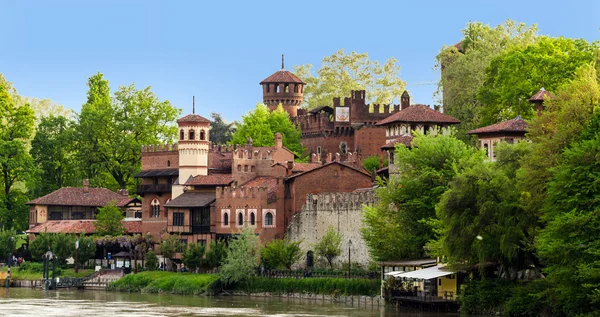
{"points": [[181, 134], [168, 163], [239, 167], [252, 169], [252, 219], [202, 135], [155, 206], [192, 135], [269, 219], [343, 148], [287, 88], [226, 219], [240, 219]]}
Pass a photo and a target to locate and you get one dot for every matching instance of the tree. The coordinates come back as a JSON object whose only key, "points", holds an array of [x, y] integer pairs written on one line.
{"points": [[330, 245], [169, 245], [243, 257], [518, 73], [151, 261], [281, 254], [220, 131], [261, 125], [371, 163], [87, 249], [398, 227], [40, 245], [463, 72], [8, 238], [52, 154], [108, 221], [341, 73], [63, 247], [110, 133], [193, 256], [216, 254]]}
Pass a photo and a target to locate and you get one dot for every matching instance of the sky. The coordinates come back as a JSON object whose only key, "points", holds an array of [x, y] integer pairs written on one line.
{"points": [[219, 51]]}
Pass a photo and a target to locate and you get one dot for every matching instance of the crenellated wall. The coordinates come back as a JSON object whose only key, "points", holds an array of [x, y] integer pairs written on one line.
{"points": [[342, 211]]}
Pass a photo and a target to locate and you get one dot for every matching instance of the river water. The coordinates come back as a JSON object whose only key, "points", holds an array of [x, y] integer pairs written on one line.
{"points": [[30, 302]]}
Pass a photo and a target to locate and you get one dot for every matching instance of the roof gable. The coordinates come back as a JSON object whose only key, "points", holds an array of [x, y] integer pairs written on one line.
{"points": [[419, 113], [75, 196], [282, 76], [325, 166], [516, 125]]}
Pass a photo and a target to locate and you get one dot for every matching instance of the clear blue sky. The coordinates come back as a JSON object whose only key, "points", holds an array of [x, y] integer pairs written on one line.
{"points": [[220, 50]]}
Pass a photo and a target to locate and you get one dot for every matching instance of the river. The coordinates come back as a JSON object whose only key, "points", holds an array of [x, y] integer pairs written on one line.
{"points": [[24, 302]]}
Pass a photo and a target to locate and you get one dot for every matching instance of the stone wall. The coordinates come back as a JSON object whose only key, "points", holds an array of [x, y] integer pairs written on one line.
{"points": [[344, 212]]}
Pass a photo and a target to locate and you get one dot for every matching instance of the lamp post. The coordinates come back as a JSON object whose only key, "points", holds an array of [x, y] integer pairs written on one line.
{"points": [[349, 261], [77, 256]]}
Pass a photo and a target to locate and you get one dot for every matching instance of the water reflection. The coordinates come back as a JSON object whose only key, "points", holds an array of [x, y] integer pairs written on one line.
{"points": [[29, 302]]}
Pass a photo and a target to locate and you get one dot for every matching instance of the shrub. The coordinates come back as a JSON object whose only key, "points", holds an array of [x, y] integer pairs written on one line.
{"points": [[485, 297], [325, 286], [167, 282], [151, 261]]}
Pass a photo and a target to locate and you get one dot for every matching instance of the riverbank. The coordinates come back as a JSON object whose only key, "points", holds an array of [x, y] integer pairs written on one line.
{"points": [[168, 282], [27, 272]]}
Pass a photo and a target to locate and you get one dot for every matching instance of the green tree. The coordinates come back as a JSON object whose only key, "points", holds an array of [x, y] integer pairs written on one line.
{"points": [[8, 238], [221, 132], [216, 254], [243, 257], [341, 73], [281, 254], [193, 256], [398, 227], [108, 221], [63, 247], [40, 245], [463, 73], [110, 133], [372, 163], [518, 73], [169, 245], [261, 125], [87, 249], [151, 261], [329, 246], [52, 154]]}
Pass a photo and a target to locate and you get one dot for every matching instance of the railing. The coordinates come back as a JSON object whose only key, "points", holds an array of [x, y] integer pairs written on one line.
{"points": [[318, 274], [158, 188], [189, 228], [182, 229]]}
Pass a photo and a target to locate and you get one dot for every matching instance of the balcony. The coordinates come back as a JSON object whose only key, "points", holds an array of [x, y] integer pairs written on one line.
{"points": [[189, 229], [158, 188]]}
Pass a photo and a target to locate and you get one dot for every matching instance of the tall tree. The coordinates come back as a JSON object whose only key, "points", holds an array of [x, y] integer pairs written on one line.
{"points": [[397, 226], [108, 221], [281, 254], [340, 73], [216, 254], [52, 150], [261, 125], [463, 72], [169, 245], [110, 133], [329, 246], [193, 256], [243, 257], [220, 131]]}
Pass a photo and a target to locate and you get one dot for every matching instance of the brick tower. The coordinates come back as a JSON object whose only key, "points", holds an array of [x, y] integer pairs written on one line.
{"points": [[285, 88], [193, 149]]}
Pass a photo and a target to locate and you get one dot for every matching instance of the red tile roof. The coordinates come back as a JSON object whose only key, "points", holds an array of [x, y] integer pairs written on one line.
{"points": [[515, 125], [304, 167], [282, 76], [211, 179], [261, 181], [327, 164], [540, 95], [72, 196], [220, 160], [419, 113], [404, 139], [127, 200], [80, 226], [193, 118]]}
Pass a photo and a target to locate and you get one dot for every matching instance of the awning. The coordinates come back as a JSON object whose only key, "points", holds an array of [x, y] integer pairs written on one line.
{"points": [[157, 173], [192, 199], [394, 273], [426, 274]]}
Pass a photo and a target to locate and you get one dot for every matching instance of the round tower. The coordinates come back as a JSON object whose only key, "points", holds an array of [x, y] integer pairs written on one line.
{"points": [[193, 146], [285, 88]]}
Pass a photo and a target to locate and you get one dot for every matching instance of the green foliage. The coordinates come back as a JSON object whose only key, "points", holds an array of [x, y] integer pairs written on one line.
{"points": [[151, 261], [243, 257], [485, 297], [167, 282], [372, 163], [108, 221], [281, 254], [216, 254], [330, 245], [340, 73], [221, 132], [8, 238], [110, 132], [463, 74], [325, 286], [193, 256], [518, 73], [398, 226], [87, 249], [63, 247], [169, 245], [261, 125], [40, 245]]}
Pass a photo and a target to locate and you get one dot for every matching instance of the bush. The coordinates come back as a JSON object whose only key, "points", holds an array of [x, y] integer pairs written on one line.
{"points": [[485, 297], [34, 267], [151, 261], [167, 282], [324, 286]]}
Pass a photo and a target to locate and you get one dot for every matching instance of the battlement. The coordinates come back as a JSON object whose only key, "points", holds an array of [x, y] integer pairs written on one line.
{"points": [[353, 159], [332, 201], [159, 148], [230, 193], [251, 154]]}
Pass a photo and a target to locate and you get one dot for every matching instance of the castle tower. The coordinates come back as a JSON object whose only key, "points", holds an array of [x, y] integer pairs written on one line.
{"points": [[193, 149], [285, 88]]}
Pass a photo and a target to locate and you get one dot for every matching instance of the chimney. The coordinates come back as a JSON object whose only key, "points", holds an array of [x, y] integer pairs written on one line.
{"points": [[278, 141], [404, 100], [436, 108], [290, 167], [328, 159], [123, 192], [336, 102], [86, 186]]}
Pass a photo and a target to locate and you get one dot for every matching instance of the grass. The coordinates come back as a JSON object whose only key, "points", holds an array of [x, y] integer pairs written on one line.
{"points": [[167, 282], [324, 286], [33, 272]]}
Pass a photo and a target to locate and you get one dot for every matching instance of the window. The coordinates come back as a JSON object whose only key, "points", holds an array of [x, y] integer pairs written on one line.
{"points": [[155, 205], [240, 219], [268, 87], [287, 88], [510, 141], [178, 218], [318, 150], [168, 163], [56, 215], [252, 219], [182, 246], [239, 168], [226, 219], [181, 135], [192, 135], [77, 216], [246, 168], [343, 148], [269, 219], [277, 88], [252, 169], [202, 135]]}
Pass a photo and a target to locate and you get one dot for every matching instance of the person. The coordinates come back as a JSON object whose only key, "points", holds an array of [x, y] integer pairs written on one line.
{"points": [[162, 267], [19, 261]]}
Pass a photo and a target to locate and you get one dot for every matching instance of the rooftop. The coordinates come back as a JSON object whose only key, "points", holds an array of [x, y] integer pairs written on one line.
{"points": [[80, 226], [514, 125], [76, 196], [210, 180], [192, 199], [282, 76], [404, 139], [540, 95], [419, 114], [193, 118]]}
